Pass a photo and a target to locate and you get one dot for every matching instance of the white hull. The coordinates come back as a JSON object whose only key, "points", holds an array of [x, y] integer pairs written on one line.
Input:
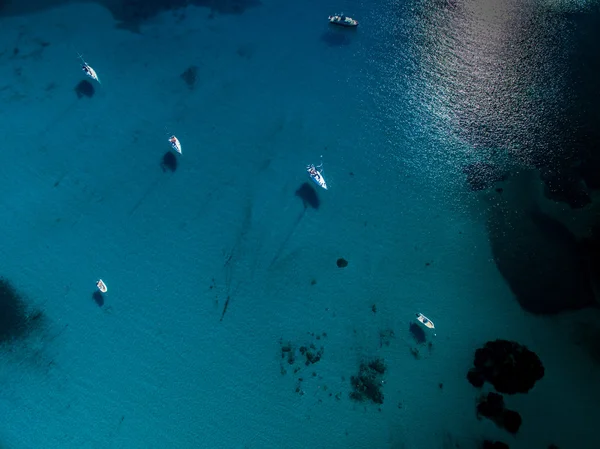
{"points": [[175, 144], [101, 286], [316, 176], [426, 321]]}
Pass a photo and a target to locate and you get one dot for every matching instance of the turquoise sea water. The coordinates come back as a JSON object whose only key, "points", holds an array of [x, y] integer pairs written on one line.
{"points": [[387, 111]]}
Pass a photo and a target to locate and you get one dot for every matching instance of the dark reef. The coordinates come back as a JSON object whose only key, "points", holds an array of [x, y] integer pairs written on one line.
{"points": [[341, 263], [367, 385], [565, 185], [554, 136], [303, 362], [17, 320], [509, 366], [492, 406], [335, 38], [130, 14], [540, 259], [190, 76], [487, 444], [417, 332], [309, 353]]}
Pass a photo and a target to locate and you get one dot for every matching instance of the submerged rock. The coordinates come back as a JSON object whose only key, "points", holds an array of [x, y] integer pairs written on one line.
{"points": [[367, 385], [190, 76], [509, 366], [492, 407], [487, 444], [565, 186], [540, 259], [342, 263], [130, 14], [17, 320]]}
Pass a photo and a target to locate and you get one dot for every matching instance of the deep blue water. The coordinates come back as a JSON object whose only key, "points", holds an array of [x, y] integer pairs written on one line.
{"points": [[459, 140]]}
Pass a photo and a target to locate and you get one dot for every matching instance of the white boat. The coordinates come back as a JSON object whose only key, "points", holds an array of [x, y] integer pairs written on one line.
{"points": [[426, 321], [342, 20], [101, 286], [317, 176], [88, 70], [174, 141]]}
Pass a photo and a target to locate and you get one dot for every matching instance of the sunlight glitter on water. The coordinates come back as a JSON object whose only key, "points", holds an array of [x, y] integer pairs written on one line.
{"points": [[477, 80]]}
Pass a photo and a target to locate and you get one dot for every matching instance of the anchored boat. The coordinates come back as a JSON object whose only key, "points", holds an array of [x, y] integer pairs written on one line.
{"points": [[101, 286], [426, 321], [342, 20], [317, 176], [175, 144]]}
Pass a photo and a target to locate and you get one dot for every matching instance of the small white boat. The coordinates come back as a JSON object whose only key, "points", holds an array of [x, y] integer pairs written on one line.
{"points": [[426, 321], [101, 286], [88, 70], [317, 176], [174, 141], [342, 20]]}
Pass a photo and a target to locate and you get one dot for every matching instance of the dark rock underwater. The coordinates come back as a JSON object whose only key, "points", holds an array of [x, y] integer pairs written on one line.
{"points": [[553, 134], [540, 259], [130, 14], [17, 318]]}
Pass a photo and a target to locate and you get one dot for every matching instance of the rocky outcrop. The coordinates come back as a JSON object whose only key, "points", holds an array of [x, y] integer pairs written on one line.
{"points": [[130, 14], [540, 259], [509, 366], [17, 319]]}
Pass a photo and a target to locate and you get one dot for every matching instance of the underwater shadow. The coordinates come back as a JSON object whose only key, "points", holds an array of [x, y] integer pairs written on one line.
{"points": [[309, 196], [335, 38], [168, 162], [417, 332], [190, 76], [98, 298], [130, 14], [85, 89]]}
